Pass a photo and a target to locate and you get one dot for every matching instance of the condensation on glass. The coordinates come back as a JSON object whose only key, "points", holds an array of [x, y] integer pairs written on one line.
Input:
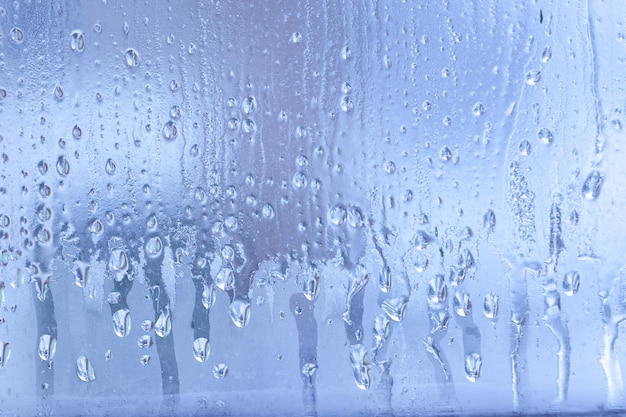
{"points": [[297, 207]]}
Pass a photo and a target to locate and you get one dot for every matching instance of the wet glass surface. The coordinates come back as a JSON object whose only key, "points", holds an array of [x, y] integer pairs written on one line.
{"points": [[306, 208]]}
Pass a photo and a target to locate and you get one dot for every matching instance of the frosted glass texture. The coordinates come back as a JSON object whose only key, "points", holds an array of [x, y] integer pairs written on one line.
{"points": [[311, 208]]}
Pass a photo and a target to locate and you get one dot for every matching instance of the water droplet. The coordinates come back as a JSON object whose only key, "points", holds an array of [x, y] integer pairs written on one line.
{"points": [[346, 104], [240, 312], [384, 279], [225, 279], [571, 283], [77, 132], [360, 366], [592, 185], [201, 349], [491, 305], [296, 37], [175, 111], [525, 147], [84, 369], [478, 109], [299, 180], [437, 290], [395, 307], [58, 93], [145, 360], [445, 153], [77, 41], [154, 247], [63, 166], [47, 347], [208, 295], [147, 325], [310, 284], [355, 217], [249, 104], [390, 167], [145, 341], [194, 151], [421, 262], [108, 355], [473, 366], [82, 274], [114, 297], [132, 57], [489, 220], [220, 370], [546, 55], [533, 77], [337, 215], [121, 322], [16, 35], [346, 53], [381, 329], [462, 304], [170, 131], [268, 211], [163, 325], [118, 264], [110, 167], [308, 370], [545, 136], [5, 353]]}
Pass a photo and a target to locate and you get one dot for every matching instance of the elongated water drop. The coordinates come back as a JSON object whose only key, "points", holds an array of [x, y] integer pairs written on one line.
{"points": [[201, 349], [47, 347], [84, 369], [121, 322]]}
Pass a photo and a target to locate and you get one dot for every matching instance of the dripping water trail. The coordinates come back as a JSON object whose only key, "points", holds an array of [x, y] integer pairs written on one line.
{"points": [[307, 344]]}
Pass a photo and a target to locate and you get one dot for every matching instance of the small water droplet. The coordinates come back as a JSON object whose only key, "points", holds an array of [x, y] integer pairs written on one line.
{"points": [[296, 37], [163, 325], [47, 347], [201, 349], [473, 366], [110, 167], [145, 360], [63, 166], [525, 147], [546, 55], [121, 322], [154, 247], [478, 109], [346, 104], [5, 353], [310, 284], [491, 305], [108, 355], [489, 220], [170, 130], [360, 366], [395, 307], [175, 111], [77, 41], [208, 295], [77, 132], [437, 290], [571, 283], [58, 92], [240, 312], [545, 136], [381, 329], [462, 304], [533, 77], [592, 185], [132, 57], [346, 53], [220, 370], [145, 341], [445, 153], [147, 325], [249, 104], [84, 369], [337, 215], [114, 297], [384, 279], [16, 35]]}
